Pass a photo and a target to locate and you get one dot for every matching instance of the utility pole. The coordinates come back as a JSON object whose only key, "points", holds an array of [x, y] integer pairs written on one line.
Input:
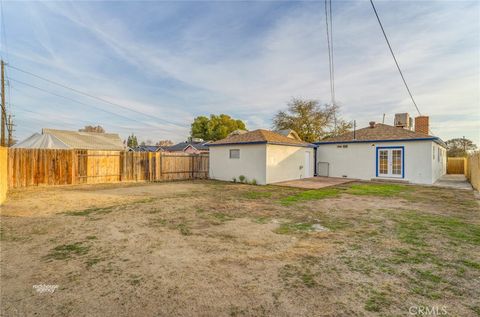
{"points": [[10, 126], [4, 110]]}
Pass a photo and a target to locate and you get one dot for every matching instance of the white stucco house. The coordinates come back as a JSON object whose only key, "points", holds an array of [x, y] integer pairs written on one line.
{"points": [[385, 152], [261, 155]]}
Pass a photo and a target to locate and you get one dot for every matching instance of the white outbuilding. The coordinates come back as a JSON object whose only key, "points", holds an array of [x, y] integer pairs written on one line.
{"points": [[385, 152], [261, 155]]}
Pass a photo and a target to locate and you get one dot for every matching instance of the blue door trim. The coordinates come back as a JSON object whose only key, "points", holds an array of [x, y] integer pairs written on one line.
{"points": [[390, 147]]}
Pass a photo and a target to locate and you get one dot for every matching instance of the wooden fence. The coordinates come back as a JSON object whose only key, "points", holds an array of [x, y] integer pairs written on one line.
{"points": [[3, 174], [32, 167], [473, 170], [456, 165]]}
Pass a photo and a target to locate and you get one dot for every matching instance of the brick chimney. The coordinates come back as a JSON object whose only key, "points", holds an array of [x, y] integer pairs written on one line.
{"points": [[422, 124]]}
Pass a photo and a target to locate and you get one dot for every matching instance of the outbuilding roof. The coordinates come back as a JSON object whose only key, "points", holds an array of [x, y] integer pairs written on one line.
{"points": [[88, 140], [380, 132], [260, 136], [41, 141]]}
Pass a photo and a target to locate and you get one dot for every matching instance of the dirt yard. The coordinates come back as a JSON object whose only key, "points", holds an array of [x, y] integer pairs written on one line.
{"points": [[208, 248]]}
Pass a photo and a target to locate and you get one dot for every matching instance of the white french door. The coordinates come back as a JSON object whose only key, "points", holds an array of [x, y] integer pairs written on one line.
{"points": [[390, 162]]}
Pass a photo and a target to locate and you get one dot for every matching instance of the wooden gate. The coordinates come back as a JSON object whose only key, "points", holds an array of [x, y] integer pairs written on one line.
{"points": [[456, 165]]}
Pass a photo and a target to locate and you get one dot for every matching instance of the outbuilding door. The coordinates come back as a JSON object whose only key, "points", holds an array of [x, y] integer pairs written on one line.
{"points": [[390, 162]]}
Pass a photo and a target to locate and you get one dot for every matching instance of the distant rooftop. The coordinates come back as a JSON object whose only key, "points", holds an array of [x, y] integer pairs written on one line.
{"points": [[259, 136]]}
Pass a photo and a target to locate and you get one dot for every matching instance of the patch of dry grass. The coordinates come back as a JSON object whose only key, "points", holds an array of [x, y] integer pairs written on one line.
{"points": [[174, 245]]}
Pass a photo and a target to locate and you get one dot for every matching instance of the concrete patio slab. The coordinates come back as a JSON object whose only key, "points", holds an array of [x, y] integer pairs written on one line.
{"points": [[458, 181], [315, 182]]}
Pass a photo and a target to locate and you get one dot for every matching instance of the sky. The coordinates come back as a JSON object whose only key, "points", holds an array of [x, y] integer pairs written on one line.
{"points": [[167, 62]]}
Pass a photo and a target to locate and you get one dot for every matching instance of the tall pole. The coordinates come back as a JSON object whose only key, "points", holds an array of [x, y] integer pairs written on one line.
{"points": [[4, 110], [10, 130]]}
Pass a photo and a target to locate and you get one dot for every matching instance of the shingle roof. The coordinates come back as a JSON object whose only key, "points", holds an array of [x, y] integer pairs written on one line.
{"points": [[148, 148], [88, 140], [288, 132], [182, 145], [380, 132], [259, 136]]}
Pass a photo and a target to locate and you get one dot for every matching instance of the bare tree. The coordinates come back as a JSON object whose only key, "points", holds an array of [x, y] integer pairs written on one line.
{"points": [[164, 143], [89, 128], [311, 121]]}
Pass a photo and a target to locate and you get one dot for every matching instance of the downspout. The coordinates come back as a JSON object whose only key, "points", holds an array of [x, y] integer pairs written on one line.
{"points": [[315, 160]]}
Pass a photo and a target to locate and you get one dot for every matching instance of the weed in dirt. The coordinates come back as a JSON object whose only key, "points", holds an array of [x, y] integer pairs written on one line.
{"points": [[292, 228], [88, 211], [135, 280], [154, 211], [405, 256], [310, 195], [377, 302], [414, 227], [385, 190], [476, 310], [184, 230], [236, 311], [157, 222], [428, 276], [262, 220], [257, 195], [108, 209], [471, 264], [92, 261], [91, 237], [4, 236], [425, 283], [65, 251], [294, 276], [222, 217]]}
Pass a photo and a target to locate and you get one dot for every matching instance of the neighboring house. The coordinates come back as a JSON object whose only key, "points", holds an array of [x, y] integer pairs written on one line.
{"points": [[266, 156], [192, 147], [383, 151], [148, 148], [63, 139], [289, 133]]}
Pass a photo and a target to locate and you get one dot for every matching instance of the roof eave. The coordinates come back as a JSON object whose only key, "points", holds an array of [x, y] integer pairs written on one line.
{"points": [[263, 142], [435, 139]]}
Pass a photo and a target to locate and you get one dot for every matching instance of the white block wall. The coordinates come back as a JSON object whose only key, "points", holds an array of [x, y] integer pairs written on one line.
{"points": [[288, 163], [358, 160], [251, 163]]}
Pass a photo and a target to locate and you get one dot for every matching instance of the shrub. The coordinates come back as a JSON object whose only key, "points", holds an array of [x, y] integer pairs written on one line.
{"points": [[234, 179], [253, 182], [242, 178]]}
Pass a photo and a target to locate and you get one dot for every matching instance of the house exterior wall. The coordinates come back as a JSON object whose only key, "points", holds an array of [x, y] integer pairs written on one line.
{"points": [[439, 161], [251, 164], [358, 160], [287, 162]]}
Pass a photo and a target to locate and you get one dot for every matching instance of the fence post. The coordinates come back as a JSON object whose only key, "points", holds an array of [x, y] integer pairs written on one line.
{"points": [[161, 158]]}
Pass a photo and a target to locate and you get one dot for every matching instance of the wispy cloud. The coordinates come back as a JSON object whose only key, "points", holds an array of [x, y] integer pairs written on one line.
{"points": [[179, 60]]}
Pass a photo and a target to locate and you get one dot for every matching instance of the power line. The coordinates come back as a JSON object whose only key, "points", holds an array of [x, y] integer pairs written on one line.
{"points": [[84, 104], [3, 32], [93, 96], [394, 58], [331, 46], [329, 52]]}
